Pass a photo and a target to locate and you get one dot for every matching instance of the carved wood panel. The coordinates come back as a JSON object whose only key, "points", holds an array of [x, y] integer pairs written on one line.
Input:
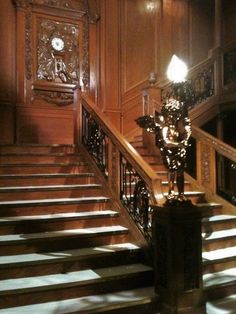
{"points": [[57, 51]]}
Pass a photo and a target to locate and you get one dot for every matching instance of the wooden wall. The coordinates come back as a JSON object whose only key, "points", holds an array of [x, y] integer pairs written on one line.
{"points": [[138, 37], [7, 72]]}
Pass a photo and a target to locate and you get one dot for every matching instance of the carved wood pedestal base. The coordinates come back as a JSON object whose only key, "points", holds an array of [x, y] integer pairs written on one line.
{"points": [[178, 261]]}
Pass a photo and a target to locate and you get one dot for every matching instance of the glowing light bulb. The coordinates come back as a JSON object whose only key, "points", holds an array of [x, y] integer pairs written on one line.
{"points": [[177, 70]]}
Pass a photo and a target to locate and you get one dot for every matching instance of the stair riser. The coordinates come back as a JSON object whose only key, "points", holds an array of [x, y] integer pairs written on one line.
{"points": [[47, 181], [165, 187], [220, 292], [31, 227], [13, 169], [219, 244], [211, 227], [41, 159], [152, 159], [129, 282], [59, 267], [60, 208], [38, 149], [67, 243], [24, 195], [217, 266]]}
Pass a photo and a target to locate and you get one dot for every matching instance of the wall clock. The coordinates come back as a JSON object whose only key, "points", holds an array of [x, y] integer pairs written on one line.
{"points": [[57, 43]]}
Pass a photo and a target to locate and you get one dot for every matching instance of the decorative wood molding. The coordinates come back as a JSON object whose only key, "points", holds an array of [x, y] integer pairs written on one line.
{"points": [[23, 4], [55, 97], [28, 44], [57, 66], [85, 64], [75, 5]]}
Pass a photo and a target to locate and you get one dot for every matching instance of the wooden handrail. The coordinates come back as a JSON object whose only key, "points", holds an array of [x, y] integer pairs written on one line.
{"points": [[144, 170], [218, 145]]}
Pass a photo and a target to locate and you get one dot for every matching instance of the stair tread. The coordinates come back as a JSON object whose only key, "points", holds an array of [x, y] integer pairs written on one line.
{"points": [[210, 204], [87, 303], [70, 278], [35, 258], [215, 235], [14, 238], [38, 154], [219, 254], [49, 187], [219, 278], [71, 200], [219, 218], [59, 216], [188, 193], [42, 175], [225, 305], [44, 164]]}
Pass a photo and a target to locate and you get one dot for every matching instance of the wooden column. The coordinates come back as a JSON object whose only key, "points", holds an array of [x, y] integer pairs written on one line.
{"points": [[178, 260]]}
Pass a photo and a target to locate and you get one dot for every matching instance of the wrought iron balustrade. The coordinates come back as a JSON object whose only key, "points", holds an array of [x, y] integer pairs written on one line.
{"points": [[95, 140], [199, 87], [134, 195]]}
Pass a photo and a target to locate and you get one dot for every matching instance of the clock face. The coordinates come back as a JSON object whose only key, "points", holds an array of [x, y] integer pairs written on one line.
{"points": [[57, 43]]}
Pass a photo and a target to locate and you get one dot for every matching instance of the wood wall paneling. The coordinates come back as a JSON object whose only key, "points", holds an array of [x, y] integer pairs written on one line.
{"points": [[8, 71], [201, 30], [229, 21], [138, 42], [52, 126]]}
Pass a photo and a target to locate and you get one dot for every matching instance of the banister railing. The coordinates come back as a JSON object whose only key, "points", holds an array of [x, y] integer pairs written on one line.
{"points": [[129, 177], [216, 165]]}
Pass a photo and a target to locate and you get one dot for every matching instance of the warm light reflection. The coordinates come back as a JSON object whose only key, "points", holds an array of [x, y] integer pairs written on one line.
{"points": [[151, 5], [177, 70]]}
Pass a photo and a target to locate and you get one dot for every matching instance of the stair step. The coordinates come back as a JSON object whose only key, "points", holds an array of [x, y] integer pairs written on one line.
{"points": [[31, 168], [78, 233], [57, 217], [29, 148], [217, 235], [225, 305], [90, 304], [61, 286], [68, 255], [45, 202], [47, 179], [30, 284], [52, 191], [219, 255], [19, 158], [227, 276], [195, 196]]}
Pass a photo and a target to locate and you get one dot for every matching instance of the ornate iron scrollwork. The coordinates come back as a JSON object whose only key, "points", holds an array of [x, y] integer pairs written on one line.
{"points": [[194, 91], [95, 140], [134, 195]]}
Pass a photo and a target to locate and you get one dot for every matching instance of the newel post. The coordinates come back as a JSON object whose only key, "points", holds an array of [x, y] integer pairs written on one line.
{"points": [[178, 259]]}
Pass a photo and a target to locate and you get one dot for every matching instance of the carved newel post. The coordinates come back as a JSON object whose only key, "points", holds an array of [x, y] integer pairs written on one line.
{"points": [[176, 224]]}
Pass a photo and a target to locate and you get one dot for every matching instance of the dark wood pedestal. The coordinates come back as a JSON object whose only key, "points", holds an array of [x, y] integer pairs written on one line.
{"points": [[178, 260]]}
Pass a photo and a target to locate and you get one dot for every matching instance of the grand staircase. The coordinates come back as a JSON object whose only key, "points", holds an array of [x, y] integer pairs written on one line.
{"points": [[64, 247], [218, 241]]}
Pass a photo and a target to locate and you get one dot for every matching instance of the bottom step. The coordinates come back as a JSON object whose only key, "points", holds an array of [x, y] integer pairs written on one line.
{"points": [[91, 304]]}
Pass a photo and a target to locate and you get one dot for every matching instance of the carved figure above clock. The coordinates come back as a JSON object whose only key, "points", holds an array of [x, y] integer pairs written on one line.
{"points": [[57, 51]]}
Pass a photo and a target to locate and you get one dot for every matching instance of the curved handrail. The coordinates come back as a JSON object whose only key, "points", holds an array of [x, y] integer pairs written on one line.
{"points": [[218, 145]]}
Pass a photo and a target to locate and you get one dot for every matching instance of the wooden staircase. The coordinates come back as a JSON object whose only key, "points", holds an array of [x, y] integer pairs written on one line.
{"points": [[64, 247], [218, 241]]}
